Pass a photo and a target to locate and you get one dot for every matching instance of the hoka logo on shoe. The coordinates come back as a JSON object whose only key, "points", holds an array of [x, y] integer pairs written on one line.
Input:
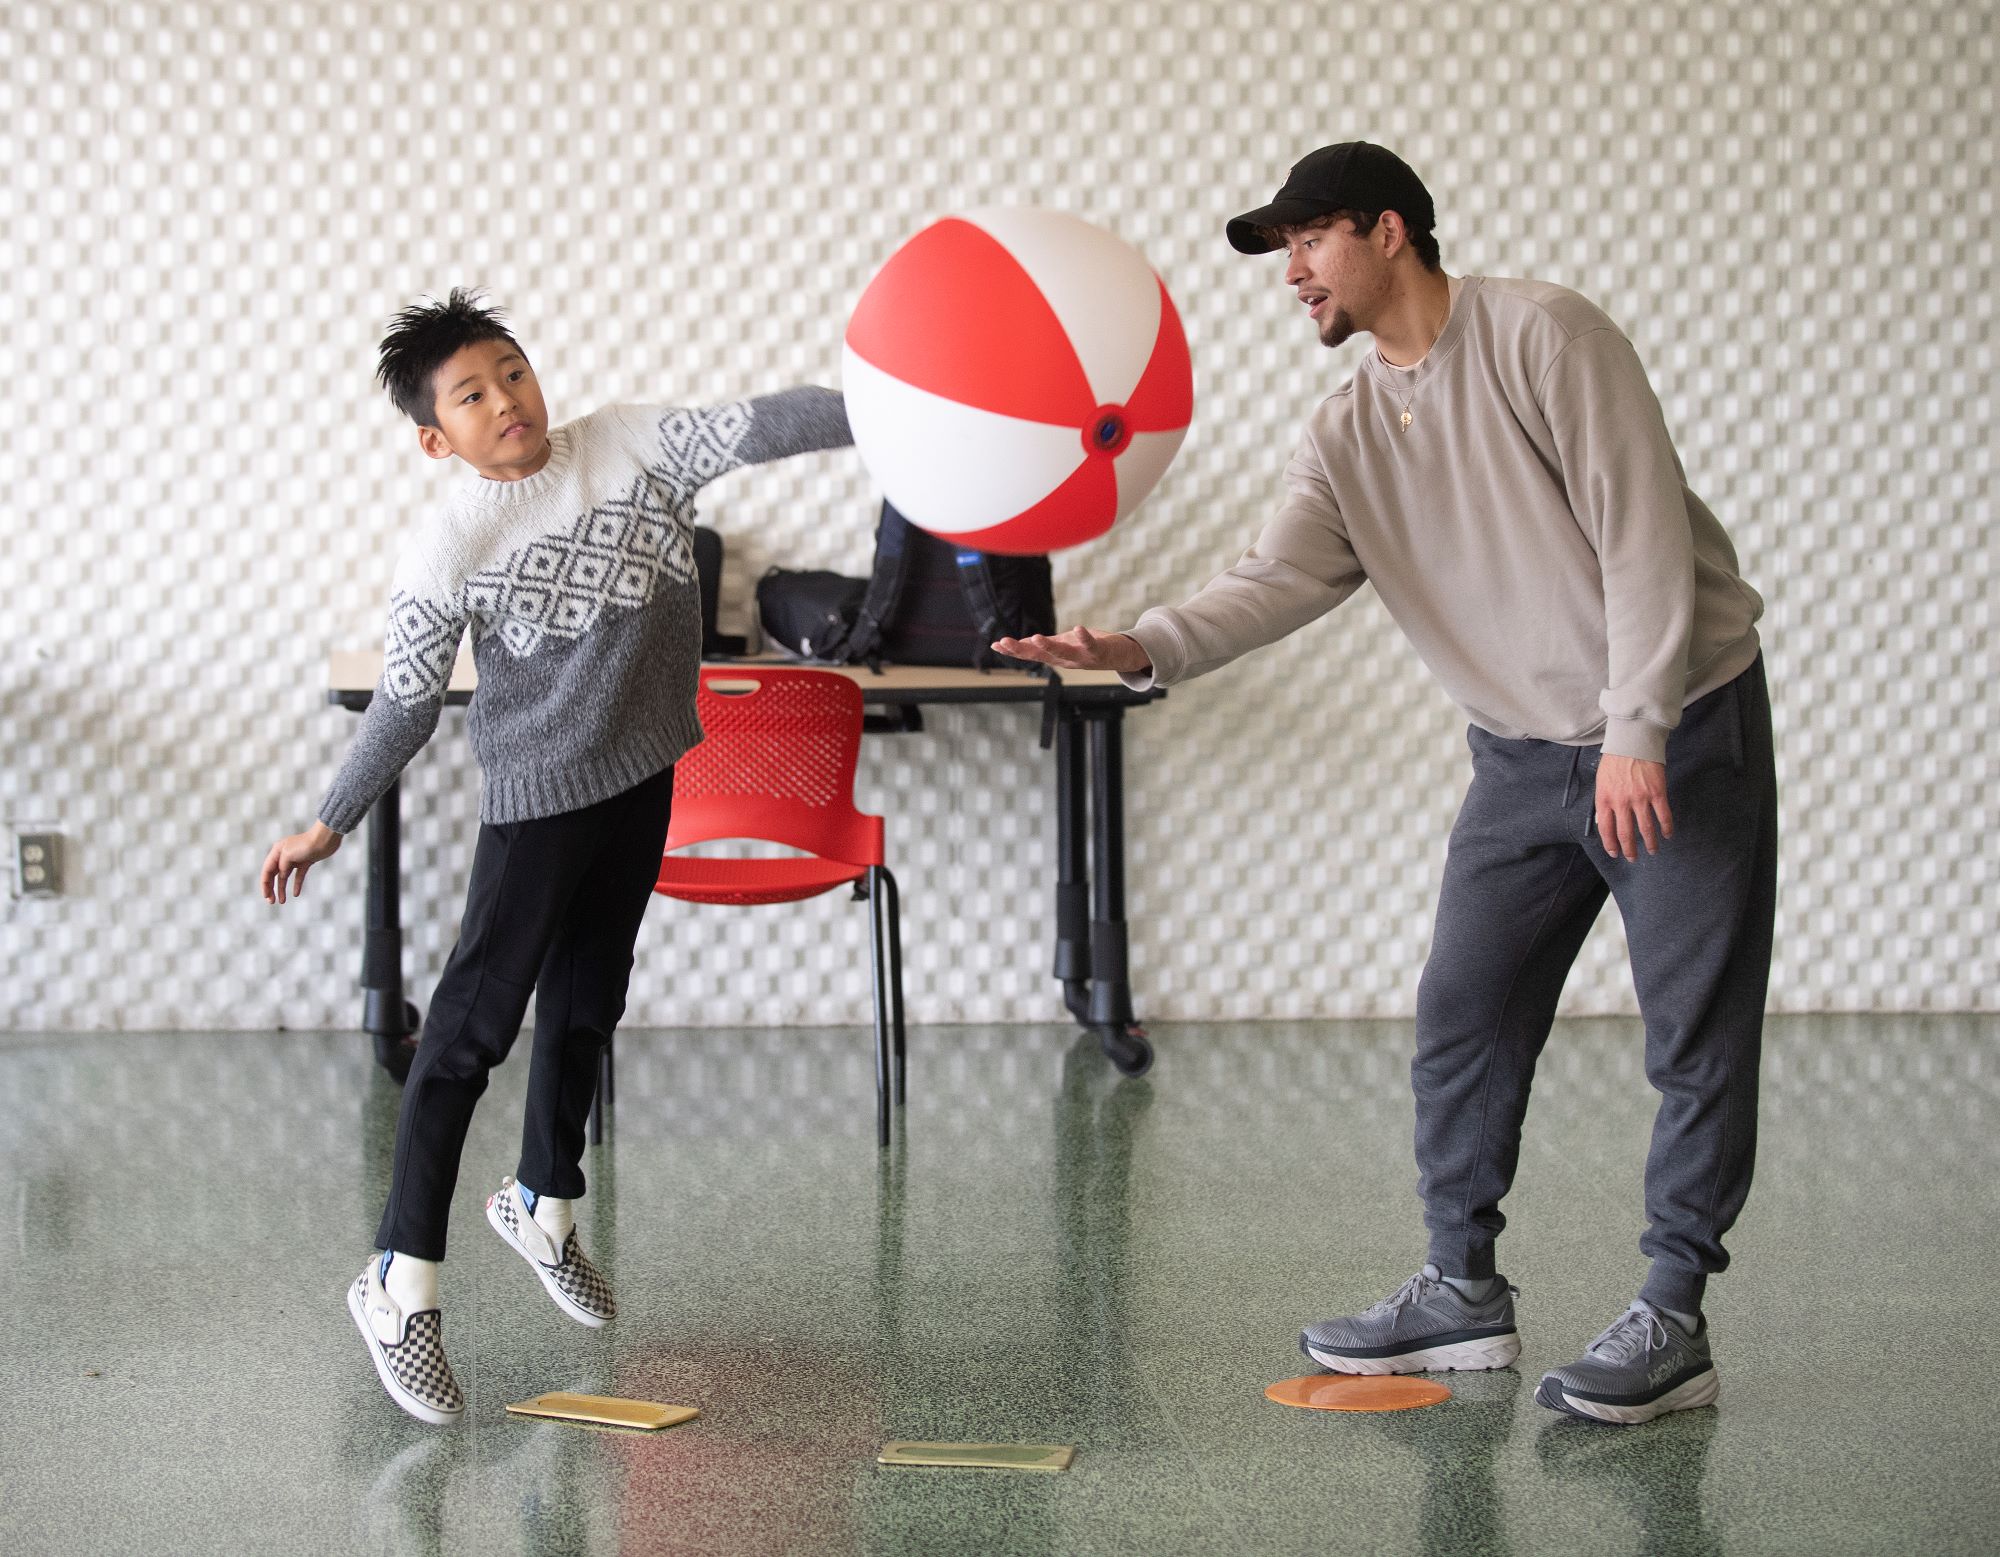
{"points": [[1661, 1371]]}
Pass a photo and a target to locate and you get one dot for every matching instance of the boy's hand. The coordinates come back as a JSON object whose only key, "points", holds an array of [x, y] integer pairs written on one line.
{"points": [[292, 857], [1079, 649]]}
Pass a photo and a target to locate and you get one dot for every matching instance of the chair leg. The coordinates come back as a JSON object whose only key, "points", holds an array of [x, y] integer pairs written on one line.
{"points": [[892, 909], [878, 962]]}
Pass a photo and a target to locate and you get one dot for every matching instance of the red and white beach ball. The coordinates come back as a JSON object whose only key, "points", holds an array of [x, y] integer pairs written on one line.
{"points": [[1016, 380]]}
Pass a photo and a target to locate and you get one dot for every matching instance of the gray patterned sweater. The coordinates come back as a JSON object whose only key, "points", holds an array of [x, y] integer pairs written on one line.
{"points": [[578, 583]]}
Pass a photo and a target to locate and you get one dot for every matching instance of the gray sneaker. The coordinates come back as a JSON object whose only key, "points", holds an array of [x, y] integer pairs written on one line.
{"points": [[1644, 1366], [1427, 1326]]}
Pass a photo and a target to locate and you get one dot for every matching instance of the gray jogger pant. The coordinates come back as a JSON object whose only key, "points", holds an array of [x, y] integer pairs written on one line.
{"points": [[1525, 878]]}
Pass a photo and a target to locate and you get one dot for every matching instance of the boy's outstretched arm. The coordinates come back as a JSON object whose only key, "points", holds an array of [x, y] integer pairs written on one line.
{"points": [[796, 421], [690, 447], [426, 622]]}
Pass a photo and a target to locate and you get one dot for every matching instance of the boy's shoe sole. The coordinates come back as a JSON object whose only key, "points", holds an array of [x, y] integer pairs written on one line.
{"points": [[396, 1390], [1477, 1354], [1701, 1390], [563, 1300]]}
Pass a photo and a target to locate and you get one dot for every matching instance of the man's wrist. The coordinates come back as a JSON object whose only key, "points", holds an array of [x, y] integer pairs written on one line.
{"points": [[1135, 651], [1637, 738]]}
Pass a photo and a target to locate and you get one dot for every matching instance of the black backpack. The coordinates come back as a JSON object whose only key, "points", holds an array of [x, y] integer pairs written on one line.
{"points": [[927, 602]]}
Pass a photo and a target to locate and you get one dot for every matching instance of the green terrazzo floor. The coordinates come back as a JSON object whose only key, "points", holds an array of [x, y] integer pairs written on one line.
{"points": [[1050, 1254]]}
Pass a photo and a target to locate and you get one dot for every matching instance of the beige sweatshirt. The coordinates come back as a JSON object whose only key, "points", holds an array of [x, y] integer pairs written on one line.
{"points": [[1530, 531]]}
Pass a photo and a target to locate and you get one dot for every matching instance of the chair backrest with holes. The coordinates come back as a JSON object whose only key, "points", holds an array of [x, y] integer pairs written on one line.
{"points": [[776, 763]]}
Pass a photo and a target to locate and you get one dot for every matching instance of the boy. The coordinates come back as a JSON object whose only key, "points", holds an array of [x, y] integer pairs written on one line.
{"points": [[569, 553]]}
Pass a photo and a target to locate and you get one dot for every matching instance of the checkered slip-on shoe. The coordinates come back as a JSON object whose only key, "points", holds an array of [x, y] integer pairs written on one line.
{"points": [[408, 1350], [578, 1287]]}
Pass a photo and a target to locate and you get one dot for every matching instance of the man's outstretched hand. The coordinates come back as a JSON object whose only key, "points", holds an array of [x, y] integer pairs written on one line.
{"points": [[1079, 649]]}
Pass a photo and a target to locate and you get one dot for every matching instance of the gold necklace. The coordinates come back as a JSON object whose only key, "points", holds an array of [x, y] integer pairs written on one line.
{"points": [[1403, 424]]}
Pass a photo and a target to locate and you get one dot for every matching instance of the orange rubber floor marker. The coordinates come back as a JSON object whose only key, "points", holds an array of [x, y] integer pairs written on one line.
{"points": [[1358, 1392]]}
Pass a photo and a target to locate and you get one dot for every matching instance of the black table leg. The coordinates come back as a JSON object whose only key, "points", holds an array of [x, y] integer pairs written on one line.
{"points": [[1072, 871], [385, 1012], [1111, 1017]]}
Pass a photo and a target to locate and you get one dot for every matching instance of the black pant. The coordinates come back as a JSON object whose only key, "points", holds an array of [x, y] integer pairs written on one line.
{"points": [[1524, 880], [552, 910]]}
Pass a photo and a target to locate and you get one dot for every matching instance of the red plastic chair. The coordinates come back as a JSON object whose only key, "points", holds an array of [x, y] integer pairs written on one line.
{"points": [[777, 764]]}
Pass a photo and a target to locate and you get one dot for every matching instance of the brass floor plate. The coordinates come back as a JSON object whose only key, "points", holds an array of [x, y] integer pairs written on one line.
{"points": [[605, 1411], [985, 1456]]}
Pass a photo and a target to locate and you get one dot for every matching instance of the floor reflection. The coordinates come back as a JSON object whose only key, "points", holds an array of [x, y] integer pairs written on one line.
{"points": [[1050, 1253], [1654, 1476], [1452, 1447]]}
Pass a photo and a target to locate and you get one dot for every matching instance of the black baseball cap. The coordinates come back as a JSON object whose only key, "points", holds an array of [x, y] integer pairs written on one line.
{"points": [[1353, 176]]}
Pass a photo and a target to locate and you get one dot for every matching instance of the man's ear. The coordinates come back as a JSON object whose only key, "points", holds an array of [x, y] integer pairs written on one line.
{"points": [[434, 443], [1391, 233]]}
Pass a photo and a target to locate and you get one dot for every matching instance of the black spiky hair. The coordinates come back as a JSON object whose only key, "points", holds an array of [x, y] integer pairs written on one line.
{"points": [[424, 337]]}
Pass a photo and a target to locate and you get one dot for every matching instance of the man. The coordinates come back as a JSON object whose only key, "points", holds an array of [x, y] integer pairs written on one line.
{"points": [[1499, 469]]}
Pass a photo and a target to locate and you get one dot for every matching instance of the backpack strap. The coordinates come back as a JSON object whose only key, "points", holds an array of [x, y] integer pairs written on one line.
{"points": [[885, 589], [976, 579], [982, 599]]}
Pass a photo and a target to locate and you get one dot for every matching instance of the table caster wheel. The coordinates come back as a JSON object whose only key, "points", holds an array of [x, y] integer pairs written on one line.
{"points": [[394, 1051], [1127, 1048]]}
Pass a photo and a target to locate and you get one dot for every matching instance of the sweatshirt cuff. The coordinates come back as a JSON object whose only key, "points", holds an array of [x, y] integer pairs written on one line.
{"points": [[1163, 647], [1639, 738]]}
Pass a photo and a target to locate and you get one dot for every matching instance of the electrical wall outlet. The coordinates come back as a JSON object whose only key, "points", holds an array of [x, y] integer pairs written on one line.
{"points": [[37, 864]]}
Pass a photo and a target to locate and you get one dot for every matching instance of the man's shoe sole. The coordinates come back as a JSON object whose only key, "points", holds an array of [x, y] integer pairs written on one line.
{"points": [[390, 1382], [1479, 1356], [563, 1300], [1701, 1390]]}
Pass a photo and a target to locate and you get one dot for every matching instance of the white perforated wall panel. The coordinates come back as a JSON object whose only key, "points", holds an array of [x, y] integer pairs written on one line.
{"points": [[207, 211]]}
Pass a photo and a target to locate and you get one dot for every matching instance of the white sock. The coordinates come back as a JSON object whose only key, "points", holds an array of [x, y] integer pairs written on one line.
{"points": [[1474, 1289], [554, 1217], [412, 1284]]}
